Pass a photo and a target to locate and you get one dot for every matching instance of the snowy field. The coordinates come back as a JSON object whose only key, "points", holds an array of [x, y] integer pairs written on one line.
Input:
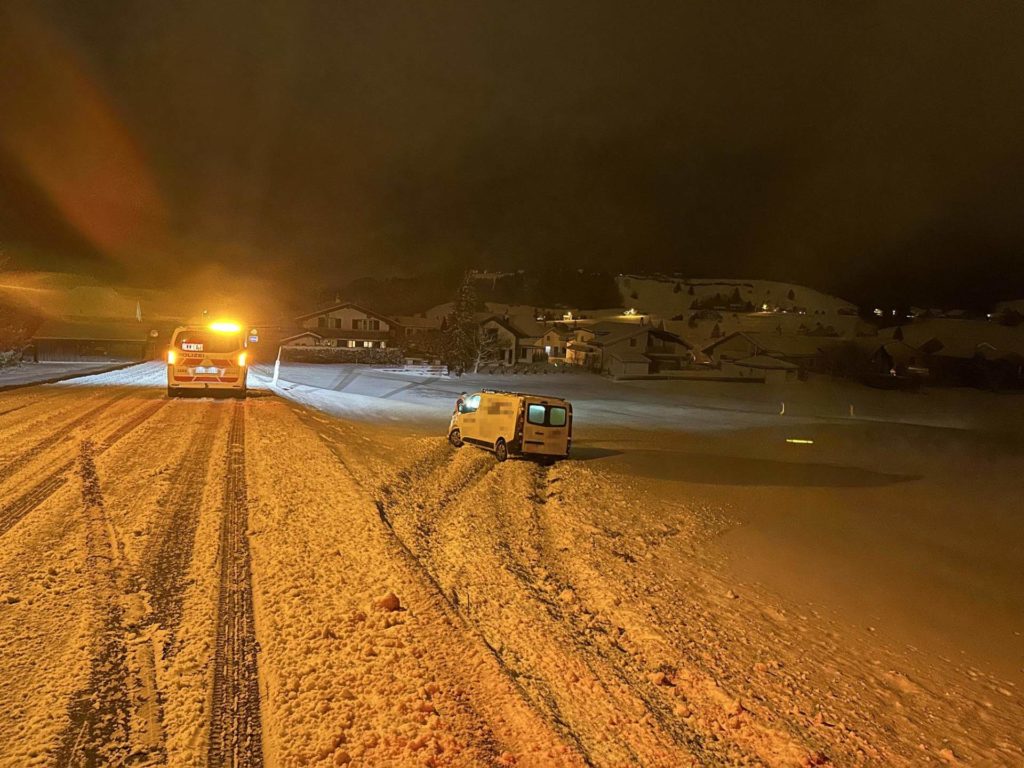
{"points": [[689, 405], [35, 373], [317, 578]]}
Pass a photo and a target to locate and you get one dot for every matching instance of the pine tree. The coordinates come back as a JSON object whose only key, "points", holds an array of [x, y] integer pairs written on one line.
{"points": [[464, 339]]}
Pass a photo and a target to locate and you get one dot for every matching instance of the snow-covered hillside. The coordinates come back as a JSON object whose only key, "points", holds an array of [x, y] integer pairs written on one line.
{"points": [[667, 296]]}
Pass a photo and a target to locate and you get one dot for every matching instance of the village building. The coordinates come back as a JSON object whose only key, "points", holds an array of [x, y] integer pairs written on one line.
{"points": [[770, 370], [345, 325], [806, 352], [98, 340], [627, 349], [973, 353], [508, 343], [411, 327]]}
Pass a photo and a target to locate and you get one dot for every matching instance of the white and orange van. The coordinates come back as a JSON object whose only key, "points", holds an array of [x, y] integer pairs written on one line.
{"points": [[207, 357]]}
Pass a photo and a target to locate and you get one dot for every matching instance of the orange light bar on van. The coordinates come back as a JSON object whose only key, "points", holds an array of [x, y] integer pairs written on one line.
{"points": [[172, 357], [225, 327], [241, 359]]}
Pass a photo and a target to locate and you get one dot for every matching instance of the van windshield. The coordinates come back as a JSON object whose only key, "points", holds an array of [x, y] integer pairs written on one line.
{"points": [[208, 341]]}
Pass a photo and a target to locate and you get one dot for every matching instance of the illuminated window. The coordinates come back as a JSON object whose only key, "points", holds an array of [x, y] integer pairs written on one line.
{"points": [[535, 414], [351, 343], [556, 416]]}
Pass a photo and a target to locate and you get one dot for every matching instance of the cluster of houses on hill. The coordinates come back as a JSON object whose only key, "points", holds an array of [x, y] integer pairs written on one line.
{"points": [[755, 346], [620, 348]]}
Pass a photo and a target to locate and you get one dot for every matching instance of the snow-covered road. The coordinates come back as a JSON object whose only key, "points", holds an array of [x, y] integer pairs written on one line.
{"points": [[211, 582]]}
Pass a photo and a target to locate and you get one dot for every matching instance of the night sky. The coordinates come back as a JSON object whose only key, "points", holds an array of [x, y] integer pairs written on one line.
{"points": [[872, 149]]}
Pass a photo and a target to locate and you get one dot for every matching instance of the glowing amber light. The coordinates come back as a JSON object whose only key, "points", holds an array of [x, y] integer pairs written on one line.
{"points": [[223, 327]]}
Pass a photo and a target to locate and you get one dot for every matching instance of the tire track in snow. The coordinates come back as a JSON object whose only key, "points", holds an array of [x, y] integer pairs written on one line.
{"points": [[509, 542], [235, 727], [14, 511], [57, 435], [115, 719], [387, 497], [169, 555], [580, 623], [418, 553]]}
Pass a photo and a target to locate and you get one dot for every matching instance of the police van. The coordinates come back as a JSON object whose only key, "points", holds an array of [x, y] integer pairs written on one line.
{"points": [[513, 424], [207, 357]]}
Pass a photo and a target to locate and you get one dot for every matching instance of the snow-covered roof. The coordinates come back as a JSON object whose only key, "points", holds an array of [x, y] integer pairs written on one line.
{"points": [[787, 345], [962, 338], [608, 332], [416, 321], [628, 355], [344, 305], [94, 330], [295, 336], [767, 363], [507, 324]]}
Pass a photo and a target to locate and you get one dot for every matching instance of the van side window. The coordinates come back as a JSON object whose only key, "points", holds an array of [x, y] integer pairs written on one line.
{"points": [[470, 404], [556, 417], [535, 414]]}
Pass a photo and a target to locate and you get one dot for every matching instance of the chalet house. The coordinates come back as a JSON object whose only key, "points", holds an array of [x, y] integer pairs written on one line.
{"points": [[554, 342], [344, 325], [510, 343], [770, 370], [806, 352], [627, 349], [411, 327], [973, 353]]}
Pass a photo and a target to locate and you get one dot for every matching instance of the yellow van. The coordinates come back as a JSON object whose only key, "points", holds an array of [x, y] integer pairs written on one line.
{"points": [[207, 357], [513, 424]]}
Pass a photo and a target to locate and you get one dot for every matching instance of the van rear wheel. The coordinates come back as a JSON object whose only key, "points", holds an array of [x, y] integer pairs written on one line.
{"points": [[500, 450], [455, 438]]}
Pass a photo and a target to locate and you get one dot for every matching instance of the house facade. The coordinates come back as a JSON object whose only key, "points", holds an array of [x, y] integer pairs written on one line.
{"points": [[627, 349], [508, 343], [344, 325]]}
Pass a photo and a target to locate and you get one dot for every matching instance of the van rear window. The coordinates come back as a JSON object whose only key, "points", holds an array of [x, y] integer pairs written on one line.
{"points": [[535, 413], [546, 416]]}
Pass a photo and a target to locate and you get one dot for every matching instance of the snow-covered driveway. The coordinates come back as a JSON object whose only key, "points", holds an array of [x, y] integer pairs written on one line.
{"points": [[213, 582]]}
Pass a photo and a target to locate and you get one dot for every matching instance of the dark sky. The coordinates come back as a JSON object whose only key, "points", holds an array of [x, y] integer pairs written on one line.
{"points": [[860, 147]]}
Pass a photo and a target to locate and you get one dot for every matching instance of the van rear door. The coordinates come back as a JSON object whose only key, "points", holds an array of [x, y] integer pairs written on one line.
{"points": [[547, 428]]}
